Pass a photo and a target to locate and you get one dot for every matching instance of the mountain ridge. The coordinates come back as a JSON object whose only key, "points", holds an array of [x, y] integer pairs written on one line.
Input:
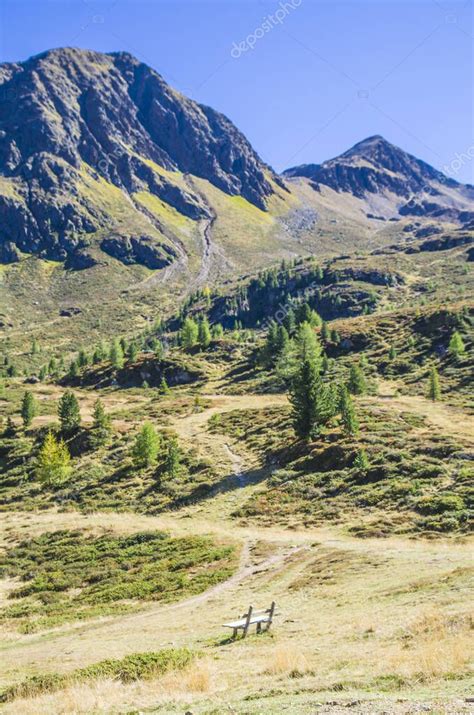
{"points": [[60, 121], [376, 166]]}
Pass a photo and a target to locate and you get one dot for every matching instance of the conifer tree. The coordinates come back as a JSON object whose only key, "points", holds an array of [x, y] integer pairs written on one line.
{"points": [[204, 333], [97, 356], [164, 388], [356, 384], [172, 459], [361, 461], [82, 358], [101, 426], [28, 408], [349, 419], [53, 465], [325, 333], [303, 398], [159, 350], [217, 331], [434, 389], [392, 353], [73, 369], [456, 345], [132, 351], [116, 354], [68, 412], [303, 313], [146, 446], [52, 367], [189, 333], [308, 345], [43, 373]]}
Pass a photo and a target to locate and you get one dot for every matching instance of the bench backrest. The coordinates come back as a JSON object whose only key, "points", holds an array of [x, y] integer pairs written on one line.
{"points": [[259, 612]]}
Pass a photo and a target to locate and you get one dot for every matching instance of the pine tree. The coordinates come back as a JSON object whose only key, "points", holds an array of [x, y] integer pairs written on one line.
{"points": [[73, 369], [101, 426], [434, 389], [361, 461], [35, 347], [82, 358], [97, 356], [189, 333], [217, 331], [335, 338], [52, 367], [68, 412], [164, 388], [356, 384], [43, 373], [303, 398], [132, 351], [116, 355], [28, 408], [308, 345], [348, 416], [53, 465], [325, 333], [303, 314], [456, 345], [204, 333], [290, 321], [146, 446], [159, 350], [172, 459], [392, 353]]}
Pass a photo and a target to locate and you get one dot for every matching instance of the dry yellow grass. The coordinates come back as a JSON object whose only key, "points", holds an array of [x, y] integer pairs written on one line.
{"points": [[287, 659], [435, 646]]}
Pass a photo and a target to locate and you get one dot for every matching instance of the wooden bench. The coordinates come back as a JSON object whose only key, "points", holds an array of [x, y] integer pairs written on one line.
{"points": [[262, 617]]}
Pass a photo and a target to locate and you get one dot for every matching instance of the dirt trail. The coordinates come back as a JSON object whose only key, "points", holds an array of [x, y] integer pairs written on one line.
{"points": [[270, 558]]}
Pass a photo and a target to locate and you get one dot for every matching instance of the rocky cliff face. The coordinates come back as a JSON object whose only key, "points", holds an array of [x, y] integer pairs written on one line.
{"points": [[375, 166], [71, 112]]}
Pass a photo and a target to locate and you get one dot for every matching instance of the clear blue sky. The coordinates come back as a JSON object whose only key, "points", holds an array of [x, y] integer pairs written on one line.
{"points": [[328, 75]]}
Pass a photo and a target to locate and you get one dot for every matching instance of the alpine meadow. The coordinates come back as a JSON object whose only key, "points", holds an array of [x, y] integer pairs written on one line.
{"points": [[236, 393]]}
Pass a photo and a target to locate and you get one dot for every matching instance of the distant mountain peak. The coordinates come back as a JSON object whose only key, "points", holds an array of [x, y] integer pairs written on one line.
{"points": [[375, 166]]}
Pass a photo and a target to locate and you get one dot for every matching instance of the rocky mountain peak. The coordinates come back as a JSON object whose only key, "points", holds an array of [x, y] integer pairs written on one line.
{"points": [[68, 110]]}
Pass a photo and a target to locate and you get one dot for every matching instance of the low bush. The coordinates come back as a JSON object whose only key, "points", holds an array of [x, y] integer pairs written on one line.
{"points": [[137, 666]]}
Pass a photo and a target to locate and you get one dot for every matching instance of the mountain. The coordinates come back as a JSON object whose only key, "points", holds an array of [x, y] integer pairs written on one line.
{"points": [[395, 182], [85, 137]]}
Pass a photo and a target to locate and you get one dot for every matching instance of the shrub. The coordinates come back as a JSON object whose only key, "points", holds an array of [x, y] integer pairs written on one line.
{"points": [[439, 504], [138, 666]]}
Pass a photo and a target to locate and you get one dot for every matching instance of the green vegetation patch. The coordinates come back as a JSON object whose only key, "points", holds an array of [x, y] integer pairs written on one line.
{"points": [[137, 666], [67, 575]]}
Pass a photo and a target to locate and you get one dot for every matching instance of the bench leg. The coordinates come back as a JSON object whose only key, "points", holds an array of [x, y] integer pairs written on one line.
{"points": [[234, 633], [259, 627]]}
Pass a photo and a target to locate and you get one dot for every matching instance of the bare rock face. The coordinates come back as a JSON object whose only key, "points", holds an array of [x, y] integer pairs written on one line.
{"points": [[140, 249], [67, 111], [375, 166]]}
